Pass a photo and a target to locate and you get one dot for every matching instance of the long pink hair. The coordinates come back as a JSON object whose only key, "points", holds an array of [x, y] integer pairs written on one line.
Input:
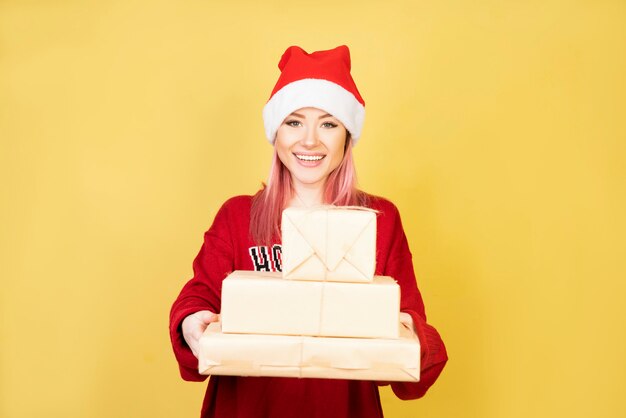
{"points": [[269, 202]]}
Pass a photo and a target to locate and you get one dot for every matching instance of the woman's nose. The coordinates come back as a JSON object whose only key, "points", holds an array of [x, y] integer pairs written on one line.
{"points": [[310, 138]]}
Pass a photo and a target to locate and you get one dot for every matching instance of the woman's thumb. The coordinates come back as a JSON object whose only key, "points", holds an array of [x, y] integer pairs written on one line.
{"points": [[207, 317]]}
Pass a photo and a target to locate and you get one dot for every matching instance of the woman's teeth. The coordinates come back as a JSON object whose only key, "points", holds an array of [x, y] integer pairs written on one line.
{"points": [[309, 157]]}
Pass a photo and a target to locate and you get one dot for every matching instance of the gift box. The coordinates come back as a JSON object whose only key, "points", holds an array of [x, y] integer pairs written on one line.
{"points": [[264, 303], [302, 357], [329, 243]]}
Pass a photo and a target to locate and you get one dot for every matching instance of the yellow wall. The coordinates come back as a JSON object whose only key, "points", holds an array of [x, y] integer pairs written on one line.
{"points": [[496, 126]]}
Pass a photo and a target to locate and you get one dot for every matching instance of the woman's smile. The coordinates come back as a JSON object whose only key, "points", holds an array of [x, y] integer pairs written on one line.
{"points": [[309, 160]]}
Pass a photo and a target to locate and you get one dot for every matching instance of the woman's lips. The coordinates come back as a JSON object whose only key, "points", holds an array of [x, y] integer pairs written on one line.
{"points": [[309, 160]]}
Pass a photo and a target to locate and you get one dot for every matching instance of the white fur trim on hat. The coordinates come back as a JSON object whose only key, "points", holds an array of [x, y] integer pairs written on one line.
{"points": [[318, 93]]}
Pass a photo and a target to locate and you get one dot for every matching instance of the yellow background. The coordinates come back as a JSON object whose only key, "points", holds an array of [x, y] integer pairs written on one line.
{"points": [[497, 127]]}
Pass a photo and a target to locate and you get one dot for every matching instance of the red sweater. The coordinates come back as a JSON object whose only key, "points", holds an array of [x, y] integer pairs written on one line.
{"points": [[227, 247]]}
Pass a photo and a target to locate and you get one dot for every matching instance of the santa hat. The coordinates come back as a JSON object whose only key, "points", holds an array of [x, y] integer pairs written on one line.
{"points": [[320, 79]]}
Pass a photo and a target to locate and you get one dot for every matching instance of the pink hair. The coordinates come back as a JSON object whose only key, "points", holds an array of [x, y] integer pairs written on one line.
{"points": [[269, 202]]}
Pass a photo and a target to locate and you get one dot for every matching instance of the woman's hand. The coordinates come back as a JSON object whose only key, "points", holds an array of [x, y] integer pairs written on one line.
{"points": [[193, 327]]}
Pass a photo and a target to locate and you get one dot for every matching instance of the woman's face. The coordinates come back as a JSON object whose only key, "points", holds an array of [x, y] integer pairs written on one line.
{"points": [[310, 143]]}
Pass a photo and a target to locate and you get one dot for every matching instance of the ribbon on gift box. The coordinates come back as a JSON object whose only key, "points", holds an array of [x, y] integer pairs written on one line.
{"points": [[334, 243]]}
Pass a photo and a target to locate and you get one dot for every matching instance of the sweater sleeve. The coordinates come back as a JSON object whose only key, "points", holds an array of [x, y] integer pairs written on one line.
{"points": [[433, 352], [212, 264]]}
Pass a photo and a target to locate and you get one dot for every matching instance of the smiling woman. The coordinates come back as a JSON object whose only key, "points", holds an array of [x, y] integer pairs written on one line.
{"points": [[313, 119]]}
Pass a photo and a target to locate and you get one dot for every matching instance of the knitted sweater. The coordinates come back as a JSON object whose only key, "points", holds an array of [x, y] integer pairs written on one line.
{"points": [[227, 247]]}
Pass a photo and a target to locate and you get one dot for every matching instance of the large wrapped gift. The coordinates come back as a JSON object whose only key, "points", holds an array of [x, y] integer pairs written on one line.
{"points": [[329, 243], [320, 357], [264, 303]]}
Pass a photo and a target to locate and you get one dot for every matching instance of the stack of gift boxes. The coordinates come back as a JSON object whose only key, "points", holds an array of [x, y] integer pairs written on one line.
{"points": [[325, 316]]}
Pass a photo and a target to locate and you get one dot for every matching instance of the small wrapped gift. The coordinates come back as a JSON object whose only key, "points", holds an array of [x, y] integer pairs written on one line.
{"points": [[329, 243], [264, 303], [319, 357]]}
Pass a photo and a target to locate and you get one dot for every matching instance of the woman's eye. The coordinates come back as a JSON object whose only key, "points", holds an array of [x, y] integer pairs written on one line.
{"points": [[293, 123], [329, 125]]}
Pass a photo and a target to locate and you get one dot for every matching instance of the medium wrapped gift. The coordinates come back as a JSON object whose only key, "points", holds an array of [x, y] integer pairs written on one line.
{"points": [[264, 303], [319, 357], [329, 243]]}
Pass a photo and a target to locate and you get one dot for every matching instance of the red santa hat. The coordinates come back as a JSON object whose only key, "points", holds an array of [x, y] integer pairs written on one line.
{"points": [[320, 79]]}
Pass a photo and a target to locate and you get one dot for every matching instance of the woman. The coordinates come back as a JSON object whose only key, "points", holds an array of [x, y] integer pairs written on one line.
{"points": [[313, 118]]}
